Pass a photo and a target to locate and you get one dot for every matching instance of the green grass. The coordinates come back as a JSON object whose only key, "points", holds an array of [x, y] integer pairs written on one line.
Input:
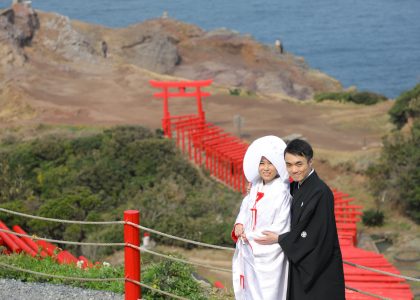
{"points": [[51, 267], [166, 275]]}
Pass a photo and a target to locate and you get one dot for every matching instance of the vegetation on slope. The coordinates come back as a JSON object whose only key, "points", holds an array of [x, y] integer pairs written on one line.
{"points": [[169, 276], [396, 176], [366, 98], [97, 177], [406, 106]]}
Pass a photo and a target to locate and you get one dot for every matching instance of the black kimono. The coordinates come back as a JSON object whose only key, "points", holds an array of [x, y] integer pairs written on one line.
{"points": [[316, 266]]}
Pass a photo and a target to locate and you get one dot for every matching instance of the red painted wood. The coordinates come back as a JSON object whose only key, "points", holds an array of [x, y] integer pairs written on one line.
{"points": [[132, 255], [34, 246]]}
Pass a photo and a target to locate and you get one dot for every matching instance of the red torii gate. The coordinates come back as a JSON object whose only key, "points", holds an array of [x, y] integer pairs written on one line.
{"points": [[181, 87], [223, 152]]}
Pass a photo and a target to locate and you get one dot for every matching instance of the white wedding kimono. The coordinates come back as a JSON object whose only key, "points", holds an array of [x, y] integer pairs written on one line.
{"points": [[260, 272]]}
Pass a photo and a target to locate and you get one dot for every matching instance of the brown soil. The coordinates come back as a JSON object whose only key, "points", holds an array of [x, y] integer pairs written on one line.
{"points": [[121, 94]]}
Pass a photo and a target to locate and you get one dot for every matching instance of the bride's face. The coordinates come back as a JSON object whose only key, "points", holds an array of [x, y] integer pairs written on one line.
{"points": [[267, 170]]}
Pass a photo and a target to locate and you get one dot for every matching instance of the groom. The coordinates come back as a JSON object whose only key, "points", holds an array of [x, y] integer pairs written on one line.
{"points": [[316, 266]]}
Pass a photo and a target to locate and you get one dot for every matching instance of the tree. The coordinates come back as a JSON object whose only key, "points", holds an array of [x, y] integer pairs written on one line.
{"points": [[406, 106], [397, 174]]}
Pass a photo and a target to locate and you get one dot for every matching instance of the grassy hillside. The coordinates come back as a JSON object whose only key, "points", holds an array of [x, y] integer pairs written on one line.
{"points": [[97, 174]]}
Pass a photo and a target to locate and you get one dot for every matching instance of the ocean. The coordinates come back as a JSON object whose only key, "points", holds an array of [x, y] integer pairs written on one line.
{"points": [[373, 45]]}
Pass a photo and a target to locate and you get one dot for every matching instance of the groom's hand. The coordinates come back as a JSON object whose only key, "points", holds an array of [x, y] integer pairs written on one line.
{"points": [[269, 238]]}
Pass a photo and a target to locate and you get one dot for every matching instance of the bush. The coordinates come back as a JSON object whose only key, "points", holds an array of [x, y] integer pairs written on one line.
{"points": [[397, 173], [366, 98], [173, 277], [372, 217], [406, 105], [99, 176], [235, 92]]}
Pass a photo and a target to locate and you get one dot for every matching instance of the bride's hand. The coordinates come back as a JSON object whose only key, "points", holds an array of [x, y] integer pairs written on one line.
{"points": [[243, 237], [239, 230]]}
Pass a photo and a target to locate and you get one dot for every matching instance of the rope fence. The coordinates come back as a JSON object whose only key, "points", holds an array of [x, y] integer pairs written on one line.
{"points": [[366, 293], [60, 220], [181, 239], [183, 260], [138, 248], [382, 272], [186, 261], [90, 279], [61, 241]]}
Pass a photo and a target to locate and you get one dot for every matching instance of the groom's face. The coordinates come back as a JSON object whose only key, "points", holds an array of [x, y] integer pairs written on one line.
{"points": [[297, 166]]}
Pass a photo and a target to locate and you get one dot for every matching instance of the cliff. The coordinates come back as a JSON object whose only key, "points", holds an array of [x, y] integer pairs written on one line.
{"points": [[53, 70], [46, 55]]}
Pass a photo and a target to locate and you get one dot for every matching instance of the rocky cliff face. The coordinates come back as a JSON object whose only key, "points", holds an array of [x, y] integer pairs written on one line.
{"points": [[17, 29], [51, 63], [176, 48]]}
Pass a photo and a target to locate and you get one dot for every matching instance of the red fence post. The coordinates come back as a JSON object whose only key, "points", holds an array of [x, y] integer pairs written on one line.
{"points": [[131, 255]]}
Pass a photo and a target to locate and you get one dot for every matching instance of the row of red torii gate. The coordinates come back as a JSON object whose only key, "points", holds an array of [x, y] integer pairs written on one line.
{"points": [[221, 153], [205, 143]]}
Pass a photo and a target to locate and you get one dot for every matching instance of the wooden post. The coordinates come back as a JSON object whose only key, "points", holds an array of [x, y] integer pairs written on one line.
{"points": [[131, 255]]}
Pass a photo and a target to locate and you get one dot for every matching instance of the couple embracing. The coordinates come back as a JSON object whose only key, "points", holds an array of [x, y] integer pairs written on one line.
{"points": [[286, 238]]}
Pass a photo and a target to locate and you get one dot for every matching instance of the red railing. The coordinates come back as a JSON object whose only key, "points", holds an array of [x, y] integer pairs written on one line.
{"points": [[347, 216], [17, 244]]}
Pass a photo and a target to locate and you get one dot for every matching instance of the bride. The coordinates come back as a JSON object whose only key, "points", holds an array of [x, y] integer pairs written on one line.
{"points": [[260, 272]]}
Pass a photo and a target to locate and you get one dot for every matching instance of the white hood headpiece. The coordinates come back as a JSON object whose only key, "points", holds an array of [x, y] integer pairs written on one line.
{"points": [[272, 148]]}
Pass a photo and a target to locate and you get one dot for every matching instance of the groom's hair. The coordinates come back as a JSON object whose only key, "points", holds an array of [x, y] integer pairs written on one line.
{"points": [[299, 147]]}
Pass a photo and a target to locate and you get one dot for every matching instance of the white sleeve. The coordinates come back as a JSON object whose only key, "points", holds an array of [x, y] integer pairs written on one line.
{"points": [[281, 223], [241, 218]]}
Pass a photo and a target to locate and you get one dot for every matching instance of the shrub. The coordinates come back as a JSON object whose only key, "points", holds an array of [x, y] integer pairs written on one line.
{"points": [[397, 172], [406, 105], [235, 92], [372, 217], [173, 277], [99, 176], [366, 98]]}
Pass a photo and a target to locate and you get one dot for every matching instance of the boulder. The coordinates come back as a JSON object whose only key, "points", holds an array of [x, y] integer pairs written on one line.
{"points": [[157, 53], [19, 23], [59, 36]]}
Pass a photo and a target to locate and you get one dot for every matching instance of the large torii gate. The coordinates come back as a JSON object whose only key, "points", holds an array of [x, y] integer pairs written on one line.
{"points": [[180, 92], [223, 152]]}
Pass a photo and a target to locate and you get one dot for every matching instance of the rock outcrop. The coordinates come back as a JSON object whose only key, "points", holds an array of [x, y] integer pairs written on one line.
{"points": [[58, 36], [19, 23], [156, 52], [165, 46], [17, 29], [176, 48]]}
